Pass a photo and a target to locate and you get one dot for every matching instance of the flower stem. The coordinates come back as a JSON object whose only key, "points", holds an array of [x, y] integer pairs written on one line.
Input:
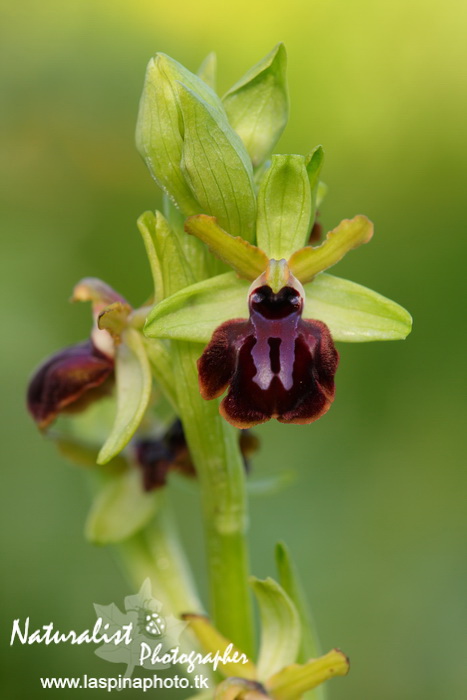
{"points": [[214, 449]]}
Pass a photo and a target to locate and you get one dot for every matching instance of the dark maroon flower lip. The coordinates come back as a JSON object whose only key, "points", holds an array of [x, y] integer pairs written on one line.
{"points": [[276, 364], [64, 379]]}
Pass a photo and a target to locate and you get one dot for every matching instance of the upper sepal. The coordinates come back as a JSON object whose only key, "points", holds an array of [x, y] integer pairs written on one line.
{"points": [[284, 207]]}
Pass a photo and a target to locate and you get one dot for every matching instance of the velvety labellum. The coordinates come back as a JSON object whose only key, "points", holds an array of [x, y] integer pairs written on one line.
{"points": [[276, 364]]}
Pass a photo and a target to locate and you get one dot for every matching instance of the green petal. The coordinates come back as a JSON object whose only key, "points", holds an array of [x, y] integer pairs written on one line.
{"points": [[120, 509], [195, 312], [353, 313], [290, 683], [280, 628], [307, 262], [257, 105], [284, 207], [216, 166], [247, 260], [208, 69], [133, 379]]}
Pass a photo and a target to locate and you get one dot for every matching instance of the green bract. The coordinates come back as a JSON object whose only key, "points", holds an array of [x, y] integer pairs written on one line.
{"points": [[280, 628], [257, 105]]}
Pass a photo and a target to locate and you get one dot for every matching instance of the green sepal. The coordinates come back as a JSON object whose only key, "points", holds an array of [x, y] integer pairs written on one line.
{"points": [[247, 260], [307, 262], [120, 509], [195, 312], [159, 137], [280, 628], [353, 313], [284, 207], [212, 642], [208, 70], [313, 167], [257, 105], [133, 389], [293, 681], [216, 165]]}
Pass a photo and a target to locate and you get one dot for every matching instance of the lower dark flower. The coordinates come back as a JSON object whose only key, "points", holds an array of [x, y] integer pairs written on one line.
{"points": [[157, 456], [67, 380], [276, 364]]}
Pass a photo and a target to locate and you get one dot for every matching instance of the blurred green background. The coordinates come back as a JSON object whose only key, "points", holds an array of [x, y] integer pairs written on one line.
{"points": [[376, 516]]}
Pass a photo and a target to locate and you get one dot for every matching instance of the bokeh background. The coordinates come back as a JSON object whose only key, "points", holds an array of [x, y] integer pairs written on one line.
{"points": [[376, 515]]}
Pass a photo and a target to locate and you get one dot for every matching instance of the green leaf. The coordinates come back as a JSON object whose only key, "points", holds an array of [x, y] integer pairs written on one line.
{"points": [[195, 312], [284, 207], [120, 509], [208, 69], [292, 682], [158, 135], [290, 581], [246, 259], [353, 313], [216, 166], [257, 105], [307, 262], [280, 628], [133, 379], [313, 168]]}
